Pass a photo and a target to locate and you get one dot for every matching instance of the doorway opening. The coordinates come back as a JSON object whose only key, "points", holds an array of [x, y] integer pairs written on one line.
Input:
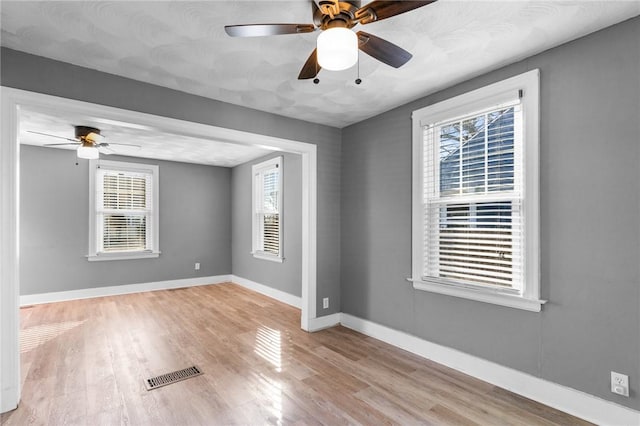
{"points": [[14, 101]]}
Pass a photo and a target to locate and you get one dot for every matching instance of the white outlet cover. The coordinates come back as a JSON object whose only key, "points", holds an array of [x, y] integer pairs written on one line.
{"points": [[620, 384]]}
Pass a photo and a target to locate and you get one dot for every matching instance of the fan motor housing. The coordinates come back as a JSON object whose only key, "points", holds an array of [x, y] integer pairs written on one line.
{"points": [[83, 131], [343, 14]]}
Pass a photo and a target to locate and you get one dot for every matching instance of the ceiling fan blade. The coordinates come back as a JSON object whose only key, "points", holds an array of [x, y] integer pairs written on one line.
{"points": [[378, 10], [383, 50], [311, 68], [104, 144], [52, 136], [259, 30], [106, 150], [61, 144]]}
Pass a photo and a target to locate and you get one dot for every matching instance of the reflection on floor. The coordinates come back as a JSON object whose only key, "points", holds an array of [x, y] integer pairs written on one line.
{"points": [[32, 337]]}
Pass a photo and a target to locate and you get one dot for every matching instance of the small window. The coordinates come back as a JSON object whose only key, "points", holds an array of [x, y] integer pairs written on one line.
{"points": [[267, 210], [124, 211], [475, 195]]}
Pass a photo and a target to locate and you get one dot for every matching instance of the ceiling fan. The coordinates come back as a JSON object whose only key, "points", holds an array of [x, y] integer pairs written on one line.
{"points": [[337, 45], [89, 141]]}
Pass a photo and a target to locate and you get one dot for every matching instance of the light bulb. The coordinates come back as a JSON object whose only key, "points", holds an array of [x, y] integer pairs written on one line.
{"points": [[337, 49]]}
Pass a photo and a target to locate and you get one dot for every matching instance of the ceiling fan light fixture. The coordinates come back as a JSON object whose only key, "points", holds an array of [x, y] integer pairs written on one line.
{"points": [[88, 152], [337, 49]]}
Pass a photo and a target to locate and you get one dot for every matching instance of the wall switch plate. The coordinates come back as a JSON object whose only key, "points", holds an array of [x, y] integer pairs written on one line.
{"points": [[620, 384], [197, 266], [325, 303]]}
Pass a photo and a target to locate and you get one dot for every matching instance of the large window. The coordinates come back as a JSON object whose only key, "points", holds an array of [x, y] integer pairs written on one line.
{"points": [[475, 195], [124, 211], [267, 210]]}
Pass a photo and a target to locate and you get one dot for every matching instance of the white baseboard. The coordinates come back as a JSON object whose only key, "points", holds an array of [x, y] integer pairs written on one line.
{"points": [[328, 321], [574, 402], [87, 293], [279, 295]]}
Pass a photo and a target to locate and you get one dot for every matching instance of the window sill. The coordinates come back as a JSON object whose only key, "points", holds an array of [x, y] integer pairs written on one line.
{"points": [[265, 256], [480, 294], [122, 256]]}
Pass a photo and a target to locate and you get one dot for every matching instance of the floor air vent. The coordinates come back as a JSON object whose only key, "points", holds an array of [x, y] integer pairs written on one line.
{"points": [[176, 376]]}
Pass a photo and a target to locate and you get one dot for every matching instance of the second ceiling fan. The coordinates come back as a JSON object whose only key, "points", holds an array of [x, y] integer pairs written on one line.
{"points": [[88, 140], [337, 45]]}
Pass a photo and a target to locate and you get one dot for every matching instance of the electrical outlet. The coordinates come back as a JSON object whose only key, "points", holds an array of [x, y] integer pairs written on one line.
{"points": [[325, 303], [197, 266], [620, 384]]}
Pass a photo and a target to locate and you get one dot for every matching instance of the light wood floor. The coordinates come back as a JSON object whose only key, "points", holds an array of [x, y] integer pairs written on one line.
{"points": [[83, 362]]}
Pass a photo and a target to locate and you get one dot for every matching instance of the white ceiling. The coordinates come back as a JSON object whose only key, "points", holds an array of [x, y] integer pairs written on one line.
{"points": [[153, 143], [182, 45]]}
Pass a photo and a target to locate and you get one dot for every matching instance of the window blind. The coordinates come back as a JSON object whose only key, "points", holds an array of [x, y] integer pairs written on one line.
{"points": [[124, 211], [472, 200], [269, 210]]}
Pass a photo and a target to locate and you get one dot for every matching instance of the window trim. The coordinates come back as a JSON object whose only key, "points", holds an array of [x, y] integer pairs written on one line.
{"points": [[94, 255], [255, 169], [527, 87]]}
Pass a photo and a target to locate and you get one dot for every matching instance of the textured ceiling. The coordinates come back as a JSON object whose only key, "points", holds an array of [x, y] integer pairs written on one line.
{"points": [[153, 143], [182, 45]]}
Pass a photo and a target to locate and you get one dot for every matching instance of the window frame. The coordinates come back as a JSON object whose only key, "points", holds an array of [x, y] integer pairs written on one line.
{"points": [[154, 252], [261, 168], [525, 86]]}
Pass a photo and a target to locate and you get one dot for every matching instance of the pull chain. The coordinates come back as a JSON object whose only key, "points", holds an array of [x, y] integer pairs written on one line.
{"points": [[358, 80], [316, 80]]}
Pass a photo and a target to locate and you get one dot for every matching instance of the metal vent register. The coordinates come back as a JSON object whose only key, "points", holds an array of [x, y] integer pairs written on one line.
{"points": [[169, 378]]}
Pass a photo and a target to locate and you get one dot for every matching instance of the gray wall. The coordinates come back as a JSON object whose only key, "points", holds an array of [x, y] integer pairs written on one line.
{"points": [[590, 233], [285, 276], [23, 71], [54, 224]]}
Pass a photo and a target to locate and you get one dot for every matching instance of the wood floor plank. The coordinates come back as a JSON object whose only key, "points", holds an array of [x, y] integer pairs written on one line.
{"points": [[443, 415], [379, 400], [84, 362], [534, 408]]}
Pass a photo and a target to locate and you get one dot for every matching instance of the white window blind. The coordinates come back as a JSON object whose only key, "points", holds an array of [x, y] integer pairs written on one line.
{"points": [[472, 199], [123, 211], [267, 192]]}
